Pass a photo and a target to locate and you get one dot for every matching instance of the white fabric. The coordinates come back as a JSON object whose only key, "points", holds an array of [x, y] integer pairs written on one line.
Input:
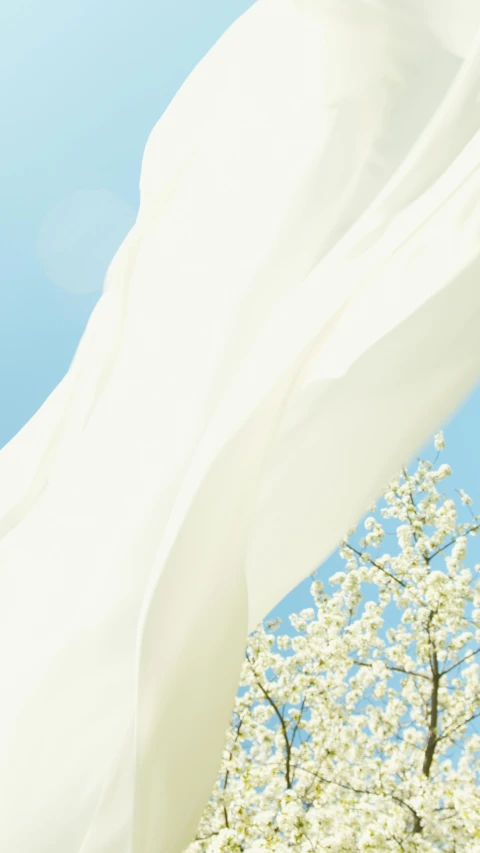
{"points": [[296, 308]]}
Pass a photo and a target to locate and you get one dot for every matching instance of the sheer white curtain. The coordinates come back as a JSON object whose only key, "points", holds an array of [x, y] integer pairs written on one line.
{"points": [[295, 309]]}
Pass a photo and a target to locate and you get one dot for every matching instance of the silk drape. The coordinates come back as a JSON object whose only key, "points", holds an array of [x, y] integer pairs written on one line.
{"points": [[295, 309]]}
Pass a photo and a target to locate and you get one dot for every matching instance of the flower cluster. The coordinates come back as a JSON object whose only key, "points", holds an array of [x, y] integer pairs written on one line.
{"points": [[354, 730]]}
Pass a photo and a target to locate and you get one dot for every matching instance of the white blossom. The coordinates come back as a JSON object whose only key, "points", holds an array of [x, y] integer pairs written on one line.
{"points": [[353, 733]]}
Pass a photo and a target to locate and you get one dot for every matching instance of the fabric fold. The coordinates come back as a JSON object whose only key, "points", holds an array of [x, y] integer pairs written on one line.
{"points": [[295, 309]]}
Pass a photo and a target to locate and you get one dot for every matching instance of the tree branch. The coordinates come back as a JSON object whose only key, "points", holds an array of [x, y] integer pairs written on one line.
{"points": [[459, 662], [288, 747]]}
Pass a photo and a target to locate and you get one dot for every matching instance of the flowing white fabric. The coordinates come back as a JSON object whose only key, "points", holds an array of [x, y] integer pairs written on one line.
{"points": [[295, 309]]}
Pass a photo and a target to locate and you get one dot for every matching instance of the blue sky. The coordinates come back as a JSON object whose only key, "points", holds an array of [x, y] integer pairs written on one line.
{"points": [[82, 85]]}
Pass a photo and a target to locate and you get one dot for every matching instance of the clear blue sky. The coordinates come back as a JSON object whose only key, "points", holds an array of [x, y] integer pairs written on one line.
{"points": [[82, 85]]}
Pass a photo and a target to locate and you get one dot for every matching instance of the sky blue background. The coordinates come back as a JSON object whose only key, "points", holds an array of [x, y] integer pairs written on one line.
{"points": [[82, 85]]}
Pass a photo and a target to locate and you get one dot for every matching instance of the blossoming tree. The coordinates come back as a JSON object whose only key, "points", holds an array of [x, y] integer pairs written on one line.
{"points": [[355, 731]]}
